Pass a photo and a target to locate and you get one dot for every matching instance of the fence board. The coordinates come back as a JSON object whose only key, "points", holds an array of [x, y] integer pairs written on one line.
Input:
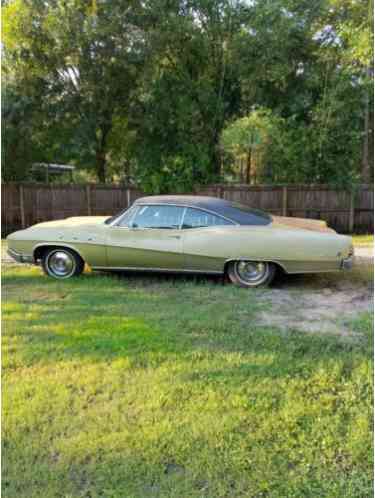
{"points": [[42, 202]]}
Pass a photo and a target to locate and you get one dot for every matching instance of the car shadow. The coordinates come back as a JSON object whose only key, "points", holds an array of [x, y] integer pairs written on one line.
{"points": [[171, 277]]}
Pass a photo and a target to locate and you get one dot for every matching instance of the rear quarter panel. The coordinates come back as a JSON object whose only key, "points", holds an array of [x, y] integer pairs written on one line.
{"points": [[295, 250]]}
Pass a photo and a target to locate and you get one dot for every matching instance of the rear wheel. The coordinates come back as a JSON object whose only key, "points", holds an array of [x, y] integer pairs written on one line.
{"points": [[251, 273], [62, 263]]}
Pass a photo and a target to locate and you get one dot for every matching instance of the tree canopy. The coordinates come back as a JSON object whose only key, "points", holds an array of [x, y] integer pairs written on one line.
{"points": [[169, 93]]}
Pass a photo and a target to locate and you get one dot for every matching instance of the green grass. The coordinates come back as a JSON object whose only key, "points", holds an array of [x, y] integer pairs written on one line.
{"points": [[142, 387], [363, 240], [4, 247]]}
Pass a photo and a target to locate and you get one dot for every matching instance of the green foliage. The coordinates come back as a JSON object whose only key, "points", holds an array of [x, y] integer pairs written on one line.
{"points": [[142, 91], [353, 21], [88, 58], [250, 137], [17, 150], [145, 390], [189, 90], [363, 240], [325, 141]]}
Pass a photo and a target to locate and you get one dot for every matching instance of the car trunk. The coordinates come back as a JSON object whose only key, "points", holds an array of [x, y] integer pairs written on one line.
{"points": [[302, 223]]}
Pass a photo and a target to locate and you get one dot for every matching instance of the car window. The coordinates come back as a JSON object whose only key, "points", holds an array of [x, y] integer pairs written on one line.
{"points": [[126, 217], [158, 217], [250, 210], [195, 218]]}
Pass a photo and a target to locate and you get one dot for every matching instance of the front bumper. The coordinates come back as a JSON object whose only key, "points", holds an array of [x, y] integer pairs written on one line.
{"points": [[20, 258]]}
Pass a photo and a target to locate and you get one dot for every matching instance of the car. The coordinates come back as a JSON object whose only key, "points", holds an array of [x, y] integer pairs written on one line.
{"points": [[187, 234]]}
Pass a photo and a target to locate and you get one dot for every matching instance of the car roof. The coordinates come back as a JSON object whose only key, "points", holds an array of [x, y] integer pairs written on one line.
{"points": [[184, 200], [242, 215]]}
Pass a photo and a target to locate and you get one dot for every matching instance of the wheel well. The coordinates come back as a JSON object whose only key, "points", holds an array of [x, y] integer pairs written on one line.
{"points": [[40, 251], [279, 268]]}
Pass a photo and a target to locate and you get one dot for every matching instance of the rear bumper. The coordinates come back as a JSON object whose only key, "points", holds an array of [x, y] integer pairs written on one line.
{"points": [[347, 263], [20, 258]]}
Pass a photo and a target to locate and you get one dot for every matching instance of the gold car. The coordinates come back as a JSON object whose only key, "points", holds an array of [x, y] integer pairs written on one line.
{"points": [[185, 234]]}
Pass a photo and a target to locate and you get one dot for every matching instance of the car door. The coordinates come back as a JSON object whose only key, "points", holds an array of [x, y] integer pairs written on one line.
{"points": [[202, 240], [150, 238]]}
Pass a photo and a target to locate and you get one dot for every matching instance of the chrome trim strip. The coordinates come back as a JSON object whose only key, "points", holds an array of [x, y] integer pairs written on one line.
{"points": [[12, 252], [294, 272], [118, 219], [287, 265], [63, 244], [161, 270], [247, 258], [182, 219]]}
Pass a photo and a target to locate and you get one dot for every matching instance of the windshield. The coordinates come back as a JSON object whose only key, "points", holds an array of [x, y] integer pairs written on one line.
{"points": [[109, 220]]}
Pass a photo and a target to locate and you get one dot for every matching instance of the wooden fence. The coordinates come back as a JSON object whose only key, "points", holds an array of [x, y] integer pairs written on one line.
{"points": [[26, 204]]}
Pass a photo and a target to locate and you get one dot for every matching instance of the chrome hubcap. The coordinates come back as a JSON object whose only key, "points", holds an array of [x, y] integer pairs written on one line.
{"points": [[251, 271], [61, 264]]}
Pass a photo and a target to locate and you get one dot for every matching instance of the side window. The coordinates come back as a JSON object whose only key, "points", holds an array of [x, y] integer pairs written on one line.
{"points": [[195, 218], [158, 217], [127, 216]]}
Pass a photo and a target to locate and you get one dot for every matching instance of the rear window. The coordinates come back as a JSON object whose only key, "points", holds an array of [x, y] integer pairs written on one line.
{"points": [[250, 210], [196, 218]]}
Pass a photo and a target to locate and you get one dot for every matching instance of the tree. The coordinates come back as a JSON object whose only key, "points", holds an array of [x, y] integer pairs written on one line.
{"points": [[17, 147], [301, 75], [188, 92], [352, 30], [250, 136], [89, 56], [142, 90]]}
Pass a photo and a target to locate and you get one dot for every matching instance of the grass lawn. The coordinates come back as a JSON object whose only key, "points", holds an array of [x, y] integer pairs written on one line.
{"points": [[363, 240], [137, 387]]}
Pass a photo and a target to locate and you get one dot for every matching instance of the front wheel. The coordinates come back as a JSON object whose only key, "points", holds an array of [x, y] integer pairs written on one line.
{"points": [[62, 263], [251, 273]]}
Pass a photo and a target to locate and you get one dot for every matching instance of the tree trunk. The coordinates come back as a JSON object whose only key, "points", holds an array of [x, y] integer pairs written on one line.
{"points": [[365, 146], [126, 171], [367, 132], [242, 173], [371, 143], [216, 158], [101, 161], [101, 166], [248, 167]]}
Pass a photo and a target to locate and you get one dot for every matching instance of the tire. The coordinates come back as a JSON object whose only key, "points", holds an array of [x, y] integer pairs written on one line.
{"points": [[62, 263], [251, 273]]}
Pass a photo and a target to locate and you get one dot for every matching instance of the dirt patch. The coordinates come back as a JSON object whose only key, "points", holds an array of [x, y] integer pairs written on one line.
{"points": [[364, 254], [315, 303]]}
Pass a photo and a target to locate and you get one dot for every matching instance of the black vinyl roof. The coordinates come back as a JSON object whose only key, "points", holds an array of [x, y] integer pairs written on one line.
{"points": [[239, 213]]}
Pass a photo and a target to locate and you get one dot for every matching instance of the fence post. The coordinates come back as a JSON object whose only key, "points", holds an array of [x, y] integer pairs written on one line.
{"points": [[285, 201], [22, 207], [88, 198], [351, 211], [128, 197]]}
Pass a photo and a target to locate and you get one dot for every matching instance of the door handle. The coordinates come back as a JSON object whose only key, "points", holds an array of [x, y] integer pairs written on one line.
{"points": [[174, 236]]}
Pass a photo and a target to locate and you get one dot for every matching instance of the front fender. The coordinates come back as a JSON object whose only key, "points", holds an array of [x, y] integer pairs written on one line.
{"points": [[93, 254]]}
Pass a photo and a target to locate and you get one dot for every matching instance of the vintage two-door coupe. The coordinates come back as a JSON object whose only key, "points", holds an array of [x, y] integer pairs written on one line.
{"points": [[185, 234]]}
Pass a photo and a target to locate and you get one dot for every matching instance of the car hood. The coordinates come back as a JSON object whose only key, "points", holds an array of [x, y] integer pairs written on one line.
{"points": [[75, 221], [301, 224]]}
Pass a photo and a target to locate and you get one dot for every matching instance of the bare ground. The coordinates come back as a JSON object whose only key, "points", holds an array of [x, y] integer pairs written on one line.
{"points": [[326, 303]]}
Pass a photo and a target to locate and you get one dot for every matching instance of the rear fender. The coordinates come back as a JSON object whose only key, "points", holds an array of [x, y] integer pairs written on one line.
{"points": [[246, 258]]}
